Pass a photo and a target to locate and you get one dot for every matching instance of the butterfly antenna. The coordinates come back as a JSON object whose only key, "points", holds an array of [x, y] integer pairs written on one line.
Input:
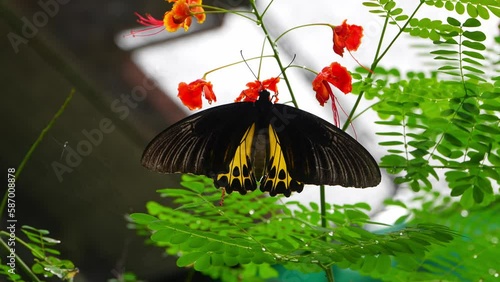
{"points": [[291, 62], [287, 66], [248, 66]]}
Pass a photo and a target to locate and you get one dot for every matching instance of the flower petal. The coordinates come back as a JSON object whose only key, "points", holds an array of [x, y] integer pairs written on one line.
{"points": [[354, 39], [346, 36], [255, 87], [179, 16], [322, 88], [340, 77], [190, 94], [209, 93], [190, 97], [271, 84]]}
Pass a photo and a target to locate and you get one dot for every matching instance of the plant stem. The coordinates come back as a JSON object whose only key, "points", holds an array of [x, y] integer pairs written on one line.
{"points": [[217, 10], [21, 263], [329, 273], [275, 51], [301, 26], [44, 131], [235, 63]]}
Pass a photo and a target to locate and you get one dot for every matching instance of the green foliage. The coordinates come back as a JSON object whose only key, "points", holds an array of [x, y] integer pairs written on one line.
{"points": [[46, 262], [471, 257], [438, 123], [248, 234], [441, 124], [387, 8], [478, 8], [4, 271]]}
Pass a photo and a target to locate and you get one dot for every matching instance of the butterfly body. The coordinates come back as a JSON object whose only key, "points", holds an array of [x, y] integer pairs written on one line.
{"points": [[237, 143]]}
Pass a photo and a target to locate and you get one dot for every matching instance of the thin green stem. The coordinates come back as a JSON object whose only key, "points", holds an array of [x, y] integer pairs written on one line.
{"points": [[267, 8], [365, 110], [218, 10], [35, 252], [25, 268], [304, 68], [401, 30], [261, 56], [235, 63], [44, 131], [275, 51], [378, 58], [35, 145], [302, 26]]}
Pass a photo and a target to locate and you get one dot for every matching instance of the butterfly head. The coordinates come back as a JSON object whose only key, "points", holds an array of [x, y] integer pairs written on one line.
{"points": [[264, 95]]}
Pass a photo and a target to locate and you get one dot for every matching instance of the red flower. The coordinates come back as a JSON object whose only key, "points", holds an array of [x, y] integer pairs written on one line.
{"points": [[190, 94], [255, 87], [338, 76], [179, 16], [346, 36]]}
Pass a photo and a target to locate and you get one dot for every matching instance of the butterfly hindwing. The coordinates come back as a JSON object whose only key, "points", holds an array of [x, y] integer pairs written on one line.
{"points": [[215, 142], [240, 175], [318, 152], [277, 178]]}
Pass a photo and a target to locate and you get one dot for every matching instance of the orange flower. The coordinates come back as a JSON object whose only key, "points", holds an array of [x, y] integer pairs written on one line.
{"points": [[346, 36], [255, 87], [181, 13], [190, 94], [338, 76], [179, 16]]}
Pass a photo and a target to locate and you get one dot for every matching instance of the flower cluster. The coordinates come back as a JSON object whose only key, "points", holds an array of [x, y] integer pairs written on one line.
{"points": [[345, 37], [348, 37]]}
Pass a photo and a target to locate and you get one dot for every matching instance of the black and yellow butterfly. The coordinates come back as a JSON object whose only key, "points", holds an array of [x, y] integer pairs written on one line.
{"points": [[288, 147]]}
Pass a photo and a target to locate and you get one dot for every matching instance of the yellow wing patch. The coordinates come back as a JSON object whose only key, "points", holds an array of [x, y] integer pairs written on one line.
{"points": [[240, 176], [277, 179]]}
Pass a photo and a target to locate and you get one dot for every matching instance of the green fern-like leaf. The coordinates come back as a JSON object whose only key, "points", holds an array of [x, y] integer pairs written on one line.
{"points": [[255, 232], [472, 256]]}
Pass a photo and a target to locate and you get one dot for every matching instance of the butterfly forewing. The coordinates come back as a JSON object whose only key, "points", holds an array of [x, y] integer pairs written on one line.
{"points": [[204, 143]]}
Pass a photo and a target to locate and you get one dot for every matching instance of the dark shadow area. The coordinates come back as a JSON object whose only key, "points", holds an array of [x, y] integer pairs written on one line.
{"points": [[86, 175]]}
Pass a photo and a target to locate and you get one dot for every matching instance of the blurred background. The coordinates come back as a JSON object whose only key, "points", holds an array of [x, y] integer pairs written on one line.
{"points": [[85, 176]]}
